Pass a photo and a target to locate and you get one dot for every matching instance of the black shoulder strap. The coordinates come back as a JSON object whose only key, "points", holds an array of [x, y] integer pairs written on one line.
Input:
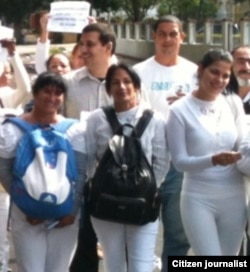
{"points": [[111, 117], [115, 125], [143, 122]]}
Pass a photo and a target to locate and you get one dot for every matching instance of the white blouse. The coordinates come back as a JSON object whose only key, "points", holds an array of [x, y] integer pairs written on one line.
{"points": [[153, 139]]}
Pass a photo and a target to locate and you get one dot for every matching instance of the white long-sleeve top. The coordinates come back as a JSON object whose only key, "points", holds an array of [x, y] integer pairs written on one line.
{"points": [[197, 130], [153, 139], [14, 98], [41, 55]]}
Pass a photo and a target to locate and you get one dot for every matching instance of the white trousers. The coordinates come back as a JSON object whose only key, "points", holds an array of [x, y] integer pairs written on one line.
{"points": [[126, 248], [40, 250], [247, 186], [214, 224], [4, 246]]}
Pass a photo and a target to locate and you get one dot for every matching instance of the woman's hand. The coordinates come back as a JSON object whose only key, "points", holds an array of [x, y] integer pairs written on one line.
{"points": [[66, 221], [44, 19], [226, 158], [91, 20], [10, 45], [34, 221], [44, 36], [177, 96]]}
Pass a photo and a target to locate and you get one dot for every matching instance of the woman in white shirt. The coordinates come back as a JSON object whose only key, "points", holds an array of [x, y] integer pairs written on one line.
{"points": [[204, 133], [37, 247], [126, 244]]}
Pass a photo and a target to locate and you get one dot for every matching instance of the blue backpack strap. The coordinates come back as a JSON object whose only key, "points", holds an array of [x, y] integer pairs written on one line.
{"points": [[22, 124], [27, 127], [64, 125]]}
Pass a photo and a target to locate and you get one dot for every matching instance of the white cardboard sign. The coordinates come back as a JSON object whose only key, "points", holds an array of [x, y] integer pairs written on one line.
{"points": [[68, 16]]}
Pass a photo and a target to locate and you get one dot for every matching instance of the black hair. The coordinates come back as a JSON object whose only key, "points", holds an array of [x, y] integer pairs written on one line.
{"points": [[49, 79], [106, 34], [233, 85], [214, 55], [48, 61], [168, 19], [131, 72]]}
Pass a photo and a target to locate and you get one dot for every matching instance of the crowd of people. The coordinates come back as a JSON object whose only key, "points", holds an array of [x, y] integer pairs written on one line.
{"points": [[197, 144]]}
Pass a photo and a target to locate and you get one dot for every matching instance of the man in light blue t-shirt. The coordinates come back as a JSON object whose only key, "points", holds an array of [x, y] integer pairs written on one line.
{"points": [[167, 76]]}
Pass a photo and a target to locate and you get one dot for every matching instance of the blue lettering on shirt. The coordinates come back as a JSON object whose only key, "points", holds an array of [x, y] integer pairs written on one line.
{"points": [[165, 86], [161, 86]]}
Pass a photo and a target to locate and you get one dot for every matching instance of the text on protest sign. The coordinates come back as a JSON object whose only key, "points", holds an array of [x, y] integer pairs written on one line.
{"points": [[68, 16]]}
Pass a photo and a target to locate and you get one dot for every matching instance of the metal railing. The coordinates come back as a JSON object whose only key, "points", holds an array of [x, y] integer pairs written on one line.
{"points": [[225, 33]]}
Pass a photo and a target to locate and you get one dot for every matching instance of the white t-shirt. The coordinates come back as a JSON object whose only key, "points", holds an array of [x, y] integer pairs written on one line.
{"points": [[162, 81]]}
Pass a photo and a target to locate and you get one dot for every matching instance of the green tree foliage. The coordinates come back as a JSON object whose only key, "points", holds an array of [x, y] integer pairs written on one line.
{"points": [[137, 10], [105, 5], [17, 11], [189, 9], [134, 9]]}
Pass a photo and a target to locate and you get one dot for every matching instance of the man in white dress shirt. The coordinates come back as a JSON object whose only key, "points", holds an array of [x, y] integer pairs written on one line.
{"points": [[86, 93]]}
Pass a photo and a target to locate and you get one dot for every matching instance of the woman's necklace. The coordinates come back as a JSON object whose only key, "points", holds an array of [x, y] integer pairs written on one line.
{"points": [[207, 110], [211, 113]]}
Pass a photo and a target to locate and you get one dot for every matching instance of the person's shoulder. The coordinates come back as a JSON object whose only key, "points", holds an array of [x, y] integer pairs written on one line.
{"points": [[158, 116], [186, 62], [144, 64], [10, 127], [96, 121], [96, 114], [10, 135], [76, 74], [233, 99], [181, 103], [75, 135]]}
